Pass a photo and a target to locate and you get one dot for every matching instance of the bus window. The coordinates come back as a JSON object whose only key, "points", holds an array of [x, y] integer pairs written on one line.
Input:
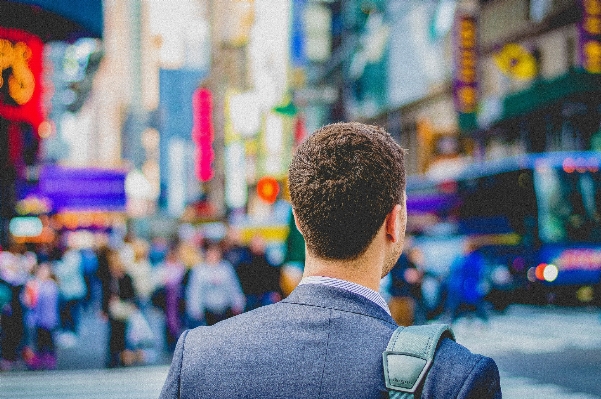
{"points": [[569, 208], [497, 204]]}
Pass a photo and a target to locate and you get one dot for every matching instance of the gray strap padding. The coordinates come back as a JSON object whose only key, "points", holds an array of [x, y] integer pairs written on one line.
{"points": [[409, 355]]}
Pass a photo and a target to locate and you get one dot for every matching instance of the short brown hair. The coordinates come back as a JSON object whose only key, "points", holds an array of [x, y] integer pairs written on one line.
{"points": [[344, 179]]}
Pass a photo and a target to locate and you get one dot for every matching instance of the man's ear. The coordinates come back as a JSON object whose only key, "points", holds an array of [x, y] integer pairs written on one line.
{"points": [[296, 222], [394, 223]]}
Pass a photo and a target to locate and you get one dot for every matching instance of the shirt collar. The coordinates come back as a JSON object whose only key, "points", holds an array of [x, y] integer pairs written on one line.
{"points": [[355, 288]]}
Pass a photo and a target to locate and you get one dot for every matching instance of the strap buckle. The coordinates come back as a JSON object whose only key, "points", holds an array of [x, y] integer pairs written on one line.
{"points": [[404, 371]]}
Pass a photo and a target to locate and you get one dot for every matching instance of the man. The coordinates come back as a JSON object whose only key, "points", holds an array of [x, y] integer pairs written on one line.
{"points": [[347, 185]]}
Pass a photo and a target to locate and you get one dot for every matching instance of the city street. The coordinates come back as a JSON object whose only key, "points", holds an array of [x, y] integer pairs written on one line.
{"points": [[542, 352]]}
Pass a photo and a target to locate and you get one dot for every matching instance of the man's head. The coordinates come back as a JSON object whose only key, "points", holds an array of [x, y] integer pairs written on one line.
{"points": [[344, 180]]}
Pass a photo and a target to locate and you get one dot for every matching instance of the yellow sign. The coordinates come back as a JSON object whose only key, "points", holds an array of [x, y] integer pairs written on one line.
{"points": [[21, 82], [516, 61], [590, 36], [466, 65]]}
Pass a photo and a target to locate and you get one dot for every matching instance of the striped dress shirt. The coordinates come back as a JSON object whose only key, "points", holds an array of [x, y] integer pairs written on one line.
{"points": [[365, 292]]}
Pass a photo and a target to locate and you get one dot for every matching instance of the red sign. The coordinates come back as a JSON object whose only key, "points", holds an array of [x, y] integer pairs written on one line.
{"points": [[20, 77], [268, 189], [202, 133]]}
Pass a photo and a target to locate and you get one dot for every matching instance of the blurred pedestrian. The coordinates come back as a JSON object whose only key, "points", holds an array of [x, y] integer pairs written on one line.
{"points": [[170, 277], [140, 270], [234, 251], [118, 305], [466, 285], [89, 261], [69, 273], [41, 297], [259, 279], [405, 288], [159, 246], [213, 293], [12, 322]]}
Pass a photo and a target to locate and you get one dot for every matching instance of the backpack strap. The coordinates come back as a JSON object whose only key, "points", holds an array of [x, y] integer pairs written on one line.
{"points": [[409, 355]]}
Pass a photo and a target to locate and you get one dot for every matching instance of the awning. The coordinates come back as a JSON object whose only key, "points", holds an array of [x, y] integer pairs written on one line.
{"points": [[60, 20]]}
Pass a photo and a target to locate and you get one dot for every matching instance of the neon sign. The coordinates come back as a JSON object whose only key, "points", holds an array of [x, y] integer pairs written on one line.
{"points": [[202, 133], [20, 76]]}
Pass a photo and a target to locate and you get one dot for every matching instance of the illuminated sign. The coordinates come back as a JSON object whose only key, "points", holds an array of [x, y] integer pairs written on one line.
{"points": [[202, 133], [589, 29], [268, 189], [20, 75], [465, 83]]}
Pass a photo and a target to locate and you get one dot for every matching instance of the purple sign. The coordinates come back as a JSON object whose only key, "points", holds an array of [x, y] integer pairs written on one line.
{"points": [[435, 203], [589, 36], [83, 189]]}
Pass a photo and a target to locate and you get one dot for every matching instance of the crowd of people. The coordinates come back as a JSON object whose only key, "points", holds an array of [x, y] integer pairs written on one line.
{"points": [[198, 281], [194, 281]]}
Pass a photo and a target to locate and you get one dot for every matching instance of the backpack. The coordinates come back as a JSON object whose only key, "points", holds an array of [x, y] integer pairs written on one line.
{"points": [[409, 356]]}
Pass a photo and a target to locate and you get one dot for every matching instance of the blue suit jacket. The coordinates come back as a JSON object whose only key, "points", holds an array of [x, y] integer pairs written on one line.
{"points": [[319, 342]]}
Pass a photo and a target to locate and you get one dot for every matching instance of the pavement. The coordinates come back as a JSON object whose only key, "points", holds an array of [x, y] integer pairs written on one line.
{"points": [[542, 352]]}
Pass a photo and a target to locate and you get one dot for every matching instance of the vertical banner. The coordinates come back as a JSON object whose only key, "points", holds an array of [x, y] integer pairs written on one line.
{"points": [[465, 74], [20, 77], [589, 36], [202, 133], [298, 55]]}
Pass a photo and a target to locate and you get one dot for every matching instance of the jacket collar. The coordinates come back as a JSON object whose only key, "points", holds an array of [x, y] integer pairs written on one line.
{"points": [[336, 298]]}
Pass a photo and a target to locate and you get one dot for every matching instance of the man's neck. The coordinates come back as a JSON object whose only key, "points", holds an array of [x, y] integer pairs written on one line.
{"points": [[365, 270]]}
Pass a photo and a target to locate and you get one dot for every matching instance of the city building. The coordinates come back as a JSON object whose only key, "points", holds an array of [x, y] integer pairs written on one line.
{"points": [[464, 79]]}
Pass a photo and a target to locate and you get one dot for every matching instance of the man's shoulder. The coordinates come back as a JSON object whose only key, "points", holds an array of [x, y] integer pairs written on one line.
{"points": [[287, 319], [457, 372]]}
